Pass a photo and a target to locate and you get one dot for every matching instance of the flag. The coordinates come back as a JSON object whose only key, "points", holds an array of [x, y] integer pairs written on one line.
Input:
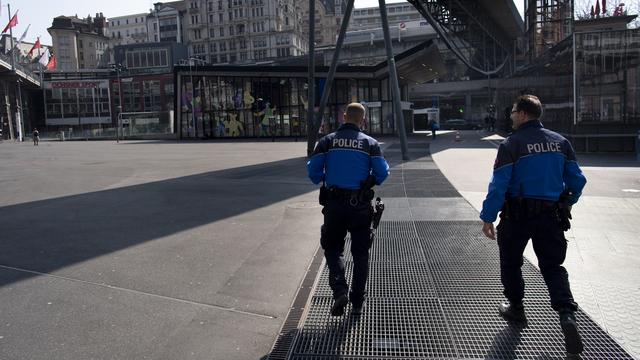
{"points": [[52, 63], [37, 45], [604, 7], [24, 35], [12, 22], [597, 7], [44, 59]]}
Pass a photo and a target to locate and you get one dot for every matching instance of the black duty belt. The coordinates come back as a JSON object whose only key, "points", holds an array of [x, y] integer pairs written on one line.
{"points": [[342, 193], [522, 208]]}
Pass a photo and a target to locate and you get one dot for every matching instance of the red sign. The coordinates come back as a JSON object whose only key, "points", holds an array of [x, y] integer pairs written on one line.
{"points": [[74, 85]]}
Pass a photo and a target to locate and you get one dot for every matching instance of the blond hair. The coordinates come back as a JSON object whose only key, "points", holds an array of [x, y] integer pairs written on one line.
{"points": [[354, 113]]}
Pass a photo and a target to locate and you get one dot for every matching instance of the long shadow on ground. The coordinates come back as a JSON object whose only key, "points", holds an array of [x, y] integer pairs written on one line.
{"points": [[43, 236]]}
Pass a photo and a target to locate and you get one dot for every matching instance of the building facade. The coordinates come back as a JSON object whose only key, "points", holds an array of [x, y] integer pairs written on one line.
{"points": [[369, 18], [165, 23], [327, 23], [243, 31], [269, 101], [130, 29], [80, 43]]}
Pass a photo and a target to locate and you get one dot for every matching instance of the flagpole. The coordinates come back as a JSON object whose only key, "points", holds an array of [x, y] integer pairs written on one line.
{"points": [[44, 93], [13, 65]]}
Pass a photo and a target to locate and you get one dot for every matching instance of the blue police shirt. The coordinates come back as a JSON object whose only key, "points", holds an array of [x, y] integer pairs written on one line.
{"points": [[534, 163], [345, 158]]}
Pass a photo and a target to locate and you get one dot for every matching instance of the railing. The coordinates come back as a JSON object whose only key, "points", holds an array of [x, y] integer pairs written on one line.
{"points": [[20, 70]]}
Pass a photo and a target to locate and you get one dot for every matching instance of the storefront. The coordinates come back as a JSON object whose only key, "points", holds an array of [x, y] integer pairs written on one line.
{"points": [[86, 103], [77, 102], [268, 101]]}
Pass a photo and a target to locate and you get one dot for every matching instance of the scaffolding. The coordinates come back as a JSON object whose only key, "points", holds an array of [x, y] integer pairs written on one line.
{"points": [[547, 22]]}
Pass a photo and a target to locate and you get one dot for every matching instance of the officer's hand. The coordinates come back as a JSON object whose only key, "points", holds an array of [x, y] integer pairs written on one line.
{"points": [[489, 231]]}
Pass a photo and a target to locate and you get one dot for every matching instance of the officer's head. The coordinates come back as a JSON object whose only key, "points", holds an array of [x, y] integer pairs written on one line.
{"points": [[354, 114], [526, 108]]}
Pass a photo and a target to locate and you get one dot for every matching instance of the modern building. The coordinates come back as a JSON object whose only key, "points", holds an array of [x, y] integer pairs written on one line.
{"points": [[244, 31], [80, 43], [130, 29], [369, 18], [266, 101], [367, 47]]}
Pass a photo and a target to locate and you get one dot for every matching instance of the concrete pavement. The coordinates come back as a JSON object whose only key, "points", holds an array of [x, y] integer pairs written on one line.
{"points": [[151, 250]]}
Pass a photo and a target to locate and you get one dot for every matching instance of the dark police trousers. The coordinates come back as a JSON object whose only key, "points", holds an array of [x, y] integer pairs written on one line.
{"points": [[340, 217], [550, 247]]}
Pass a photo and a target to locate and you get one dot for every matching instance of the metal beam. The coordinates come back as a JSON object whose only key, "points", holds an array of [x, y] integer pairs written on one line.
{"points": [[334, 65], [311, 136], [395, 86]]}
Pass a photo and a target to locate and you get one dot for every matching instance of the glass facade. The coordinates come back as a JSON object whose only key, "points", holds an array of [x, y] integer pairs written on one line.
{"points": [[608, 77], [267, 106], [77, 102]]}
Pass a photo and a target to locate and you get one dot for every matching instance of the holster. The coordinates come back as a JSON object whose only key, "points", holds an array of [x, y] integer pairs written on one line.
{"points": [[324, 195]]}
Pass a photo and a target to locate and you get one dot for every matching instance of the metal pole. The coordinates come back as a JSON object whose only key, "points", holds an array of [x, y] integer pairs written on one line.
{"points": [[13, 64], [193, 101], [395, 86], [334, 65], [44, 92], [311, 136], [120, 108], [575, 84], [21, 112]]}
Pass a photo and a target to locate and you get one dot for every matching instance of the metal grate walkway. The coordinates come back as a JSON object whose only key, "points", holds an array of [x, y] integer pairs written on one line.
{"points": [[433, 292]]}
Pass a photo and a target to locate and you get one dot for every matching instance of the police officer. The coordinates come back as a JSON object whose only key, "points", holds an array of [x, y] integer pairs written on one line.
{"points": [[533, 168], [343, 160]]}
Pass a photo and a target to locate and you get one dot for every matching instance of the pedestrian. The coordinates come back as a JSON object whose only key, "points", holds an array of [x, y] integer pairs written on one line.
{"points": [[533, 168], [36, 137], [434, 127], [343, 160]]}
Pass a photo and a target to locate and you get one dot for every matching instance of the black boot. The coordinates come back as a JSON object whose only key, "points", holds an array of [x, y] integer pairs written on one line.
{"points": [[572, 339], [512, 312], [338, 305], [356, 309]]}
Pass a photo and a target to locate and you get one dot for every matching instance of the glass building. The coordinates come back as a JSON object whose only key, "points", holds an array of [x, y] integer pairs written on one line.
{"points": [[601, 77], [272, 100]]}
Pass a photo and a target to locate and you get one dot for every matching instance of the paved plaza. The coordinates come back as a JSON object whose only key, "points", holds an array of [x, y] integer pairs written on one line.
{"points": [[167, 250]]}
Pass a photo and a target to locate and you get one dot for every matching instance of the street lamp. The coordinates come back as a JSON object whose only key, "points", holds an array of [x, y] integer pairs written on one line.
{"points": [[118, 68]]}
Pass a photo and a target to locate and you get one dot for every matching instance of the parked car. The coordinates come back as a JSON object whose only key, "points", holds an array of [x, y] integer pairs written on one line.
{"points": [[460, 124]]}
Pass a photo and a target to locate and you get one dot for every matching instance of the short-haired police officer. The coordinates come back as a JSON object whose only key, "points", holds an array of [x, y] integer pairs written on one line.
{"points": [[533, 168], [344, 159]]}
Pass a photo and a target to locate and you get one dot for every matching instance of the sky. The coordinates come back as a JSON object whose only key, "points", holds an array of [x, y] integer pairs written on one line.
{"points": [[40, 13]]}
